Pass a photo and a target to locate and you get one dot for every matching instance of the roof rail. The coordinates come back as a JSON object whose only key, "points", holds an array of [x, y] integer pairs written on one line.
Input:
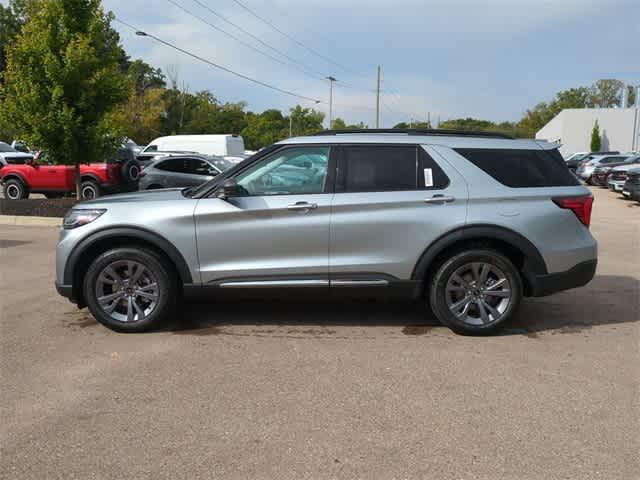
{"points": [[417, 131]]}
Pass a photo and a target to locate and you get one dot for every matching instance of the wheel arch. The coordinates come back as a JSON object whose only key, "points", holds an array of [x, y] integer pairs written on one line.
{"points": [[523, 254], [85, 177], [89, 248], [15, 176]]}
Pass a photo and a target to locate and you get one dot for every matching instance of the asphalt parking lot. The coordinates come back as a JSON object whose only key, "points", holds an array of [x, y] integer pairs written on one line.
{"points": [[323, 389]]}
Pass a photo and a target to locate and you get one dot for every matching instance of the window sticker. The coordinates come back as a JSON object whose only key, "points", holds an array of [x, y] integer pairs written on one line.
{"points": [[428, 177]]}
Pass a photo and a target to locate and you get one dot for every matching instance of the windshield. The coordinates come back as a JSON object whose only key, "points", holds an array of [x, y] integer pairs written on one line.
{"points": [[222, 164], [6, 148]]}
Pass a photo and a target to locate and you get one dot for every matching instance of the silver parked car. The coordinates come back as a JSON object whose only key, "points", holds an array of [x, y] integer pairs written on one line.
{"points": [[469, 222], [182, 171]]}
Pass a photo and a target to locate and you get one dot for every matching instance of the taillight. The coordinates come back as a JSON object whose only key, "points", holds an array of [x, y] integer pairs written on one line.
{"points": [[581, 206]]}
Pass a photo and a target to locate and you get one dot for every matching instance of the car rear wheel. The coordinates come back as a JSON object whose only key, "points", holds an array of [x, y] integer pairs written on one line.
{"points": [[15, 190], [89, 190], [475, 291], [130, 289]]}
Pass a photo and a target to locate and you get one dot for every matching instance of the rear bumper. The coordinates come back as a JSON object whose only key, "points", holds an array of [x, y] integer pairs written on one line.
{"points": [[581, 274]]}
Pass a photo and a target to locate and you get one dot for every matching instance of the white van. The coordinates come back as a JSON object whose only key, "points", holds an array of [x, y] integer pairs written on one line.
{"points": [[219, 145]]}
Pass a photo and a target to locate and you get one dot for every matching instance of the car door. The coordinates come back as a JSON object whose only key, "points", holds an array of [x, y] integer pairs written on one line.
{"points": [[199, 172], [276, 233], [175, 172], [391, 202]]}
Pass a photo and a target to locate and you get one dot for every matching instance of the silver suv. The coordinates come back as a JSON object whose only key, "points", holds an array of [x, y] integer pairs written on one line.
{"points": [[469, 221]]}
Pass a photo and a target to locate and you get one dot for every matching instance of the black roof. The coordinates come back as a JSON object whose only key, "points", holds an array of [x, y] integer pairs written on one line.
{"points": [[417, 131]]}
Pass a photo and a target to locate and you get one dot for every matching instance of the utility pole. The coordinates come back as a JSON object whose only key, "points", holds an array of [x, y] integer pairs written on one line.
{"points": [[290, 125], [378, 100], [331, 80]]}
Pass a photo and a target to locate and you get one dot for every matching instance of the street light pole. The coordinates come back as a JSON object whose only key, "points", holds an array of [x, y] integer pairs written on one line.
{"points": [[331, 80]]}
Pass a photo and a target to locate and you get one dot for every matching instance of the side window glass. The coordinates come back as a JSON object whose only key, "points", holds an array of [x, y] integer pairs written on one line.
{"points": [[292, 171], [379, 168], [430, 175], [200, 167]]}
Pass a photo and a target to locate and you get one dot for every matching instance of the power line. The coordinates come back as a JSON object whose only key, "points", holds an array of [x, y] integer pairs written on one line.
{"points": [[293, 39], [230, 35], [209, 62], [258, 39]]}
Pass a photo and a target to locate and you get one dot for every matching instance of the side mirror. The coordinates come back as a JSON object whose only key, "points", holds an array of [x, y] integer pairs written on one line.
{"points": [[229, 189]]}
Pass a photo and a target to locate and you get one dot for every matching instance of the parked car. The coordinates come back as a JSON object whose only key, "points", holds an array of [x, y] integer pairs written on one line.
{"points": [[145, 159], [182, 171], [574, 160], [469, 222], [631, 188], [11, 156], [588, 165], [218, 145], [119, 174], [618, 176], [601, 173]]}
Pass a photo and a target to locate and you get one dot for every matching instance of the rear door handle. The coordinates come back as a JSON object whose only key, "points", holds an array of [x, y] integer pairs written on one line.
{"points": [[303, 206], [439, 199]]}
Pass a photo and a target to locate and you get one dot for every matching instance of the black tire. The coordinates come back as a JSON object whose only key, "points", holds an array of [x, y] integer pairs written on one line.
{"points": [[130, 172], [441, 301], [14, 189], [89, 190], [159, 271]]}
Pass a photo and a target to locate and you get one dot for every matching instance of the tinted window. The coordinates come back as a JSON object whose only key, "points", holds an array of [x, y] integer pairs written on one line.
{"points": [[6, 148], [430, 175], [177, 165], [151, 148], [613, 159], [377, 168], [522, 168], [200, 167], [288, 172]]}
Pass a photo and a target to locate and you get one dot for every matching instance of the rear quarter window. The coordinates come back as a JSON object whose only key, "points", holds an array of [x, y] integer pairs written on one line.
{"points": [[522, 168]]}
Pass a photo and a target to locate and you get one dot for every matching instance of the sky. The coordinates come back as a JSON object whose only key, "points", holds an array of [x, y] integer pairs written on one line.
{"points": [[489, 59]]}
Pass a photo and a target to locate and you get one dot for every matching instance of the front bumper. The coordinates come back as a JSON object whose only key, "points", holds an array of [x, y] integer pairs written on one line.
{"points": [[616, 185], [632, 189], [577, 276]]}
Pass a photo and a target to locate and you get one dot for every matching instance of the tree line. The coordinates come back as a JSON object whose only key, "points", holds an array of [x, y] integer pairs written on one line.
{"points": [[67, 86]]}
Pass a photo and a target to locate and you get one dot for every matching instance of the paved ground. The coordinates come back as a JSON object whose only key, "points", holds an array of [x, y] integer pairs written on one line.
{"points": [[323, 390]]}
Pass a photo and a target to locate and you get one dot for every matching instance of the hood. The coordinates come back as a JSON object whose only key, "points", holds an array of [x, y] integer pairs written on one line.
{"points": [[624, 168], [15, 155], [162, 195]]}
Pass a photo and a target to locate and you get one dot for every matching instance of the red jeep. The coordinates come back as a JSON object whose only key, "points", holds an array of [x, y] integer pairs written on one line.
{"points": [[120, 174]]}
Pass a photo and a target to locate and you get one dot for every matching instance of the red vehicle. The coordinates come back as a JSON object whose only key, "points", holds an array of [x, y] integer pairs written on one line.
{"points": [[118, 175]]}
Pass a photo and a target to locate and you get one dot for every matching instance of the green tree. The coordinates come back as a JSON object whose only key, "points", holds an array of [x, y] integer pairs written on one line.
{"points": [[305, 121], [12, 17], [264, 129], [606, 93], [63, 81], [595, 138]]}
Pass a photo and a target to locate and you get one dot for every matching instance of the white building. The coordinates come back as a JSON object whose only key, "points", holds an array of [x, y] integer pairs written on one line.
{"points": [[619, 129]]}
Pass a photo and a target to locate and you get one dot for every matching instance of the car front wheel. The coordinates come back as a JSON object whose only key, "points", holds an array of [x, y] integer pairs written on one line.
{"points": [[89, 190], [475, 291], [130, 289], [15, 190]]}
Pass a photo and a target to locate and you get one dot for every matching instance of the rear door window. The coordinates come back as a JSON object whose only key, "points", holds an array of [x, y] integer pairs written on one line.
{"points": [[522, 168], [176, 165]]}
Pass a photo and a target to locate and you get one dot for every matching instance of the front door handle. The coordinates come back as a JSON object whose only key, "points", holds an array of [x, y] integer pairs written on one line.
{"points": [[303, 206], [439, 199]]}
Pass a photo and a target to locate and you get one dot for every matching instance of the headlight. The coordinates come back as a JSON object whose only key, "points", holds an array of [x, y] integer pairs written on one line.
{"points": [[78, 217]]}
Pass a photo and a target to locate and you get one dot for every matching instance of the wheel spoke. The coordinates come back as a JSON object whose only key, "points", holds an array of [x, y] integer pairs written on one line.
{"points": [[459, 280], [112, 273], [484, 272], [139, 270], [483, 311], [494, 313], [107, 299], [500, 282], [460, 304], [130, 314], [497, 293], [112, 306], [139, 310], [147, 295], [146, 288]]}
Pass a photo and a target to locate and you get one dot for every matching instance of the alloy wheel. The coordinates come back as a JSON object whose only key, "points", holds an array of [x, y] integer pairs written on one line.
{"points": [[13, 192], [127, 291], [478, 293]]}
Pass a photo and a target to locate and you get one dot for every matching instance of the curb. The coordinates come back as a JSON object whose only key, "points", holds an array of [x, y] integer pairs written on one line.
{"points": [[23, 221]]}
